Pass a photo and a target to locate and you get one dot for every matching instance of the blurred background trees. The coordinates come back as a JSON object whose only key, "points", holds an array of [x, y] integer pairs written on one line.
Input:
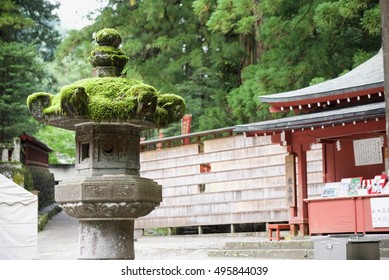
{"points": [[219, 55], [28, 39]]}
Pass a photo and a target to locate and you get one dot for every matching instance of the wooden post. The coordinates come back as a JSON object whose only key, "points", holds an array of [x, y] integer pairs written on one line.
{"points": [[290, 178], [299, 214], [384, 4]]}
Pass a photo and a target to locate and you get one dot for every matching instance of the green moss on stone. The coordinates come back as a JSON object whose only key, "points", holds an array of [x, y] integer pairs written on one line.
{"points": [[55, 107], [108, 36], [74, 100], [173, 104], [161, 116], [107, 56], [115, 99], [107, 50], [147, 99], [107, 98], [38, 96]]}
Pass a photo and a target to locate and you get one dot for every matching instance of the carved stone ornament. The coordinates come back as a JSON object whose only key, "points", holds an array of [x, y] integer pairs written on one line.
{"points": [[129, 188], [108, 210]]}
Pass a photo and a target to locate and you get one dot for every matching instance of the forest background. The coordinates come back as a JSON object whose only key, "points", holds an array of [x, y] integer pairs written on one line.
{"points": [[219, 55]]}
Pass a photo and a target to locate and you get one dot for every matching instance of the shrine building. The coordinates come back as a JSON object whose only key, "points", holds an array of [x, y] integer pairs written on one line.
{"points": [[346, 115]]}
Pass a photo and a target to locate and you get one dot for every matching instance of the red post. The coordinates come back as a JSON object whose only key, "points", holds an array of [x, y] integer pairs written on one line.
{"points": [[185, 127], [299, 214]]}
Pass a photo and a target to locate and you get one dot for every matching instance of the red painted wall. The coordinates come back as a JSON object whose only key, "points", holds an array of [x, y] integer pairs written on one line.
{"points": [[341, 164]]}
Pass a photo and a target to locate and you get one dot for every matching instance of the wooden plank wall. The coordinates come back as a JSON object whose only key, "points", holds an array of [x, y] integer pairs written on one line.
{"points": [[246, 183]]}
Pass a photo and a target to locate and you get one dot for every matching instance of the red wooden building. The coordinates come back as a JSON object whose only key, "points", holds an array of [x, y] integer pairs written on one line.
{"points": [[33, 152], [336, 113]]}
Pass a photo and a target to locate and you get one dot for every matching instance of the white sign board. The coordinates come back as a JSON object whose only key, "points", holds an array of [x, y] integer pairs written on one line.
{"points": [[368, 151], [380, 212]]}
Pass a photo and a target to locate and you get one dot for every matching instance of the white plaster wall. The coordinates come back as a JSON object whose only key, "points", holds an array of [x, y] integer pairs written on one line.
{"points": [[62, 172]]}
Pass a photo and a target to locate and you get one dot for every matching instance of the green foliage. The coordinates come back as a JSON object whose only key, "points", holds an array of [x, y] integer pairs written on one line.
{"points": [[244, 101], [42, 221], [361, 56], [318, 40], [202, 8], [327, 16], [230, 16], [28, 180], [371, 21], [62, 142], [12, 19], [220, 55], [18, 174], [31, 22], [20, 72], [71, 58], [160, 231], [306, 42], [44, 217], [27, 37], [43, 182], [317, 80], [67, 71]]}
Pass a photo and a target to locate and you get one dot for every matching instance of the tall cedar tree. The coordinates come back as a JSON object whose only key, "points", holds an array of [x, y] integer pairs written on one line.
{"points": [[26, 37], [306, 42]]}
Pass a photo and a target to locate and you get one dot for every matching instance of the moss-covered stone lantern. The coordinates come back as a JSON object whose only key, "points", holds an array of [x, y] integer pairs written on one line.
{"points": [[107, 113]]}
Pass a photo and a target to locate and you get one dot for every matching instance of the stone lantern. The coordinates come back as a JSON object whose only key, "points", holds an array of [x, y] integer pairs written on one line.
{"points": [[107, 113]]}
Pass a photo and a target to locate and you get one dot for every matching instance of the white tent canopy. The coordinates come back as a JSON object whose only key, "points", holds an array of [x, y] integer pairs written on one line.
{"points": [[18, 221]]}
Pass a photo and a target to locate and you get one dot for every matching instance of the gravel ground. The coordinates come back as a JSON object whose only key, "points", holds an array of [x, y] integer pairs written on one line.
{"points": [[59, 241]]}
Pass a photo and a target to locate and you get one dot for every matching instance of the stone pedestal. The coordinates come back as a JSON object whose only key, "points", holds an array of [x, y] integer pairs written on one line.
{"points": [[108, 193], [106, 239]]}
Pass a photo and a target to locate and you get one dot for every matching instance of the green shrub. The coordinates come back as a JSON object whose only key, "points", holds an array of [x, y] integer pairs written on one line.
{"points": [[43, 218], [43, 182], [17, 173]]}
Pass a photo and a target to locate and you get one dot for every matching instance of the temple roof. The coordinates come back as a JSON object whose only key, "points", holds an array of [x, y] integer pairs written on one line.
{"points": [[362, 84], [357, 96], [25, 138], [314, 120]]}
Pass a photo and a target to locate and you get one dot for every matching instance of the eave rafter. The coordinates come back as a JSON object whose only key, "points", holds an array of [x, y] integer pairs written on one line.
{"points": [[333, 101]]}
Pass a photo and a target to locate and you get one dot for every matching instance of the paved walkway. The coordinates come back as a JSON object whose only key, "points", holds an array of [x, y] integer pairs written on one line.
{"points": [[59, 241]]}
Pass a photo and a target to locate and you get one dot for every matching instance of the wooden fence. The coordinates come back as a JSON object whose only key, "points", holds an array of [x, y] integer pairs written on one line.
{"points": [[222, 181]]}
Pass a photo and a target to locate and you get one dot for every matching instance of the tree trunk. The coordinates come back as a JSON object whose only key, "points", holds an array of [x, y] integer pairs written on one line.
{"points": [[259, 44], [385, 49]]}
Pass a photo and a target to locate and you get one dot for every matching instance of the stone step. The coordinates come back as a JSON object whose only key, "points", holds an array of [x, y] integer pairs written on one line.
{"points": [[285, 249], [270, 245], [384, 243], [384, 249], [384, 253], [291, 254]]}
